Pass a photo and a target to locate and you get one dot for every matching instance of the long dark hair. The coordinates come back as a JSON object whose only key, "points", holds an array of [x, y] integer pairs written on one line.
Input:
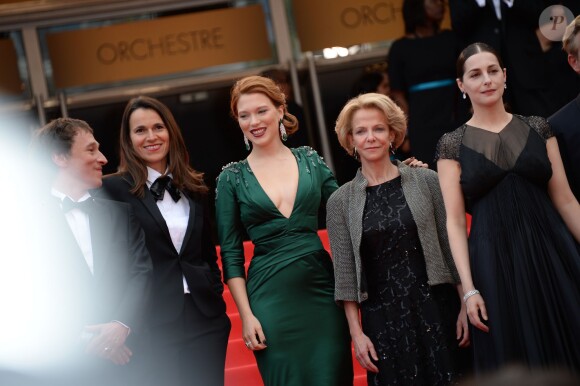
{"points": [[183, 175]]}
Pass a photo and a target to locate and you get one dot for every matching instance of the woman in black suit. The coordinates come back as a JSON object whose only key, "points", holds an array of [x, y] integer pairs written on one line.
{"points": [[187, 324]]}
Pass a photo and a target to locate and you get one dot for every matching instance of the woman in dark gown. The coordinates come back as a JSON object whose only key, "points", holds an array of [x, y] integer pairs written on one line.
{"points": [[522, 255], [391, 254]]}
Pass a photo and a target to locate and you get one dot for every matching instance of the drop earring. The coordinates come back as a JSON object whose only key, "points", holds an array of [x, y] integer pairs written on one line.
{"points": [[247, 142], [355, 153], [464, 96], [392, 148], [283, 133], [505, 86]]}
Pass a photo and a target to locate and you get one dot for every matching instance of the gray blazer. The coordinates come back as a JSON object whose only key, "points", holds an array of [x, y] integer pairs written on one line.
{"points": [[344, 222]]}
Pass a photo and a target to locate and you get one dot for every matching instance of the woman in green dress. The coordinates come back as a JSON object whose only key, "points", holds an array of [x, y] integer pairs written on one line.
{"points": [[289, 318]]}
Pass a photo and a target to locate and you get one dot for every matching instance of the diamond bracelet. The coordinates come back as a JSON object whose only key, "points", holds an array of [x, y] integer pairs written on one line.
{"points": [[469, 294]]}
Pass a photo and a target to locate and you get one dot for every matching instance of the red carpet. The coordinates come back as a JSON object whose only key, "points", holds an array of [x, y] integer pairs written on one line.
{"points": [[241, 369]]}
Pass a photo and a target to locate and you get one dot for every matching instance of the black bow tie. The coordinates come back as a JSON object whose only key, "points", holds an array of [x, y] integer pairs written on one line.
{"points": [[86, 205], [160, 185]]}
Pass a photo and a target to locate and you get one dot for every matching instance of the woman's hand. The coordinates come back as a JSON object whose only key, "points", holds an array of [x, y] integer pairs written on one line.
{"points": [[252, 333], [415, 163], [462, 329], [364, 351], [475, 307]]}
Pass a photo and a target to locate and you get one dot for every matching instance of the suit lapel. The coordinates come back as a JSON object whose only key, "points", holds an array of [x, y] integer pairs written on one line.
{"points": [[149, 202], [100, 224], [190, 222], [150, 205], [63, 244]]}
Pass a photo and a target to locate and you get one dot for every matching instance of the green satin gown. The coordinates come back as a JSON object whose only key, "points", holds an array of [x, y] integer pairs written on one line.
{"points": [[290, 279]]}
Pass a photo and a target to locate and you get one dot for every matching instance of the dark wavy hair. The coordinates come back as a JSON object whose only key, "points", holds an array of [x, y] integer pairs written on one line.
{"points": [[183, 175]]}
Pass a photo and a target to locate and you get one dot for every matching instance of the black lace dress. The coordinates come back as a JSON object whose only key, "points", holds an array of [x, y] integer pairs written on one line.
{"points": [[401, 316], [524, 261]]}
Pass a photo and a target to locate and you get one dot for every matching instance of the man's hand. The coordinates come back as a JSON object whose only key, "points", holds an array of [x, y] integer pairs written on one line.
{"points": [[108, 342], [415, 163]]}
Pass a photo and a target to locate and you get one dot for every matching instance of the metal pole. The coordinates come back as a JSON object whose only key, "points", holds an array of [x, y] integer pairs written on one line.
{"points": [[34, 61], [63, 105], [326, 152], [38, 100], [295, 83]]}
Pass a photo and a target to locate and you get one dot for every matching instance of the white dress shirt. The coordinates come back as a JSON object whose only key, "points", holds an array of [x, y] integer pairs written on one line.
{"points": [[496, 5], [176, 215], [78, 222]]}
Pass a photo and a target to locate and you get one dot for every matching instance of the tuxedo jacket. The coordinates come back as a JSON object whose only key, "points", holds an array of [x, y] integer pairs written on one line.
{"points": [[513, 36], [566, 125], [197, 260], [67, 296]]}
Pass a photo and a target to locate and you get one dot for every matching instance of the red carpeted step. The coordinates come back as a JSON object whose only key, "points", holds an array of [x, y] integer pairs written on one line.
{"points": [[241, 368], [230, 304], [358, 369], [236, 332], [360, 379], [243, 376], [238, 354]]}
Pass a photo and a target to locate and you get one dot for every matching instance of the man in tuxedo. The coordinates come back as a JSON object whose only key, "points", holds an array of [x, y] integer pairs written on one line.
{"points": [[92, 271], [566, 122], [510, 27]]}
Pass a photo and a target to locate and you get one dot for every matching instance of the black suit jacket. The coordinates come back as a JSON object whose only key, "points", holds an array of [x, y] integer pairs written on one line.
{"points": [[515, 39], [566, 125], [197, 260], [65, 294]]}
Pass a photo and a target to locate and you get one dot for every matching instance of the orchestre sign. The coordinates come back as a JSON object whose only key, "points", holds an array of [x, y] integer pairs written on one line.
{"points": [[330, 23], [10, 82], [158, 47]]}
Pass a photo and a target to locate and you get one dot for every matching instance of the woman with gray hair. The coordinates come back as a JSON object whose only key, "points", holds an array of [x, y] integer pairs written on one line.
{"points": [[391, 254]]}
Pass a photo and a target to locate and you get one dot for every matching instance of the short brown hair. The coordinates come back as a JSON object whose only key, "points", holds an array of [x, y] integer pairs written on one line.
{"points": [[57, 136], [395, 117]]}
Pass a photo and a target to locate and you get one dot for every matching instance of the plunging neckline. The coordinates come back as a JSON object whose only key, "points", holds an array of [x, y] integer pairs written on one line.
{"points": [[266, 194]]}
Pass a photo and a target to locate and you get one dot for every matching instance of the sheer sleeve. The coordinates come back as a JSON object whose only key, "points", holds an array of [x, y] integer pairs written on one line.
{"points": [[229, 224], [449, 144], [540, 125]]}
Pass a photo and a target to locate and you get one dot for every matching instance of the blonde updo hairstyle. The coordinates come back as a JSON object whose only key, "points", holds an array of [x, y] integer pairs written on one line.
{"points": [[259, 84], [395, 118]]}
